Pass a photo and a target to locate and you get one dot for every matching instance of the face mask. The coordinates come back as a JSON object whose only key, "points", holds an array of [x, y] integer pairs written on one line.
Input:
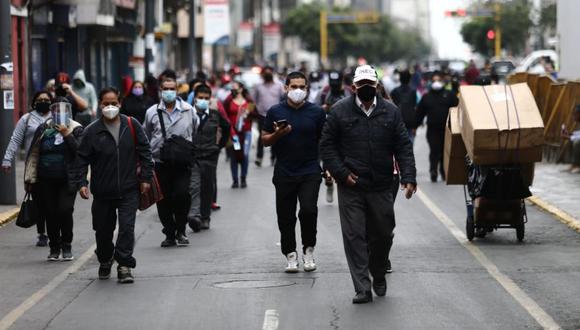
{"points": [[168, 96], [137, 91], [42, 107], [437, 85], [201, 104], [234, 92], [110, 111], [268, 77], [297, 95], [366, 93]]}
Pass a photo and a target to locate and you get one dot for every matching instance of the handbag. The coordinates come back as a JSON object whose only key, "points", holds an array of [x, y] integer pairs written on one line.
{"points": [[28, 212], [154, 194], [176, 150]]}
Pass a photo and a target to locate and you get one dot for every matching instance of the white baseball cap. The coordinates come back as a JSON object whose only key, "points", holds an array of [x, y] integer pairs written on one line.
{"points": [[365, 72]]}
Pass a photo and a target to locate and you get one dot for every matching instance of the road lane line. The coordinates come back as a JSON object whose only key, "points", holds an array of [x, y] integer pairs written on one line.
{"points": [[8, 320], [543, 318], [270, 320]]}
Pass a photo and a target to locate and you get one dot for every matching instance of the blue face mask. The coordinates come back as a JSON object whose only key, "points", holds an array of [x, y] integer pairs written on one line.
{"points": [[168, 96], [201, 104]]}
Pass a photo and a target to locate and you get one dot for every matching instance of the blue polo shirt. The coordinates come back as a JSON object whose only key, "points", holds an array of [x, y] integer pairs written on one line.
{"points": [[297, 153]]}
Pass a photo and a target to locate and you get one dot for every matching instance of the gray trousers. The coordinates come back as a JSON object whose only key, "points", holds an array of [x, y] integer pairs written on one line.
{"points": [[367, 220], [202, 189]]}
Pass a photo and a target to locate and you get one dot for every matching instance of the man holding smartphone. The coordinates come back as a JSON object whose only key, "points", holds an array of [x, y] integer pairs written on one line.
{"points": [[293, 129]]}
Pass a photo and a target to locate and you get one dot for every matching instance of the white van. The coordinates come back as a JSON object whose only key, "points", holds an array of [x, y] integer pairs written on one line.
{"points": [[533, 62]]}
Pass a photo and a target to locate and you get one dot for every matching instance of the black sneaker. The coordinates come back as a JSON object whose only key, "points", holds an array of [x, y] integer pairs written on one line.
{"points": [[67, 253], [105, 270], [205, 224], [42, 240], [389, 268], [54, 255], [124, 275], [168, 242], [244, 183], [258, 162], [194, 224], [363, 298], [182, 240], [235, 185], [434, 177], [380, 287]]}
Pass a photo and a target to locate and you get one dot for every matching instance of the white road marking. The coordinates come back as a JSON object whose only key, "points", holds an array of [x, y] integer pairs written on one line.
{"points": [[270, 320], [543, 318], [8, 320]]}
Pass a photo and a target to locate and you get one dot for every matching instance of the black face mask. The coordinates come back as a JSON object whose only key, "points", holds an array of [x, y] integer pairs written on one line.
{"points": [[366, 93], [268, 77], [42, 107]]}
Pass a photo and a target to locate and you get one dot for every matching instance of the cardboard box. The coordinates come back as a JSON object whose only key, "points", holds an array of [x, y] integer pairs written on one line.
{"points": [[501, 124], [454, 151]]}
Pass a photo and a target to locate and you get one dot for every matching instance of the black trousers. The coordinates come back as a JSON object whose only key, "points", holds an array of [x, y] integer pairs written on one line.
{"points": [[260, 148], [367, 221], [436, 140], [290, 191], [207, 187], [106, 213], [56, 202], [173, 208]]}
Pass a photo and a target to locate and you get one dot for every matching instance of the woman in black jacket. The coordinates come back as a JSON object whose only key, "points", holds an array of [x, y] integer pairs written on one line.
{"points": [[49, 173], [137, 102]]}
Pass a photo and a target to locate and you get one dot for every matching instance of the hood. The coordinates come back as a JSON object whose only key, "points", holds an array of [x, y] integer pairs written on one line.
{"points": [[80, 75]]}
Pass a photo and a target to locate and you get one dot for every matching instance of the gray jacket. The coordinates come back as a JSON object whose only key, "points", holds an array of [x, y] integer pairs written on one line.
{"points": [[86, 90], [23, 133], [184, 124]]}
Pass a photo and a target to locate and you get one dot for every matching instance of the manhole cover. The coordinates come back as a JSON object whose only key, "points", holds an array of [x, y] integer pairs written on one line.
{"points": [[252, 284]]}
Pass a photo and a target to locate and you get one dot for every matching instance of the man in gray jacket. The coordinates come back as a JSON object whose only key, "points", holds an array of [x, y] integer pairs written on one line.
{"points": [[179, 119], [87, 92]]}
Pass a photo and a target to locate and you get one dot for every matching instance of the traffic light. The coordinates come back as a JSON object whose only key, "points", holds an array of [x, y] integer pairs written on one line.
{"points": [[456, 13], [490, 34]]}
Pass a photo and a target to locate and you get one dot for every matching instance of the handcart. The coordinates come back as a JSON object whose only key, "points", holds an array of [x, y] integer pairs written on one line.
{"points": [[494, 197]]}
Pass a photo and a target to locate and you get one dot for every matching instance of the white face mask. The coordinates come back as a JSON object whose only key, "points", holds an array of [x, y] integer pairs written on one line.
{"points": [[110, 111], [437, 85], [297, 95]]}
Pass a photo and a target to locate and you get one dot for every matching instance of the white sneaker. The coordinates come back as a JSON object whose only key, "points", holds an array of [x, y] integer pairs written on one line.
{"points": [[292, 266], [330, 193], [308, 258]]}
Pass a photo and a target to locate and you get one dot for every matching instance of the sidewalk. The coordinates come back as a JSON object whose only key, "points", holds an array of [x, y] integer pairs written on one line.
{"points": [[558, 192], [10, 212]]}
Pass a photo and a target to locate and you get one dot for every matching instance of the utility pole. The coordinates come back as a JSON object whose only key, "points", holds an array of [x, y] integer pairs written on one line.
{"points": [[7, 180], [149, 36], [191, 53], [497, 18]]}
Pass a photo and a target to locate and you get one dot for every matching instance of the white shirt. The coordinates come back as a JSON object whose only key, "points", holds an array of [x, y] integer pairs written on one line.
{"points": [[362, 107]]}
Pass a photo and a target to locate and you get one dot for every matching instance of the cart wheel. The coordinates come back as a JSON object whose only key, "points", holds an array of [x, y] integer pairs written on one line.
{"points": [[481, 232], [470, 228]]}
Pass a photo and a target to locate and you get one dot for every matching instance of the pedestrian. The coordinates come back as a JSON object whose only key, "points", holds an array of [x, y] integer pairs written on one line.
{"points": [[240, 110], [211, 136], [574, 139], [328, 98], [49, 174], [435, 106], [137, 102], [293, 129], [173, 120], [405, 97], [22, 137], [267, 94], [62, 88], [113, 147], [471, 73], [87, 92], [361, 135]]}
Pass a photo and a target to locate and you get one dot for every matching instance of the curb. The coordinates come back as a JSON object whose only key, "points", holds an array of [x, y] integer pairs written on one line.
{"points": [[562, 216], [6, 217]]}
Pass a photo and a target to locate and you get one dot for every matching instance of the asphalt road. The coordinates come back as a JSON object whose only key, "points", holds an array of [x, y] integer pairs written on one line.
{"points": [[231, 277]]}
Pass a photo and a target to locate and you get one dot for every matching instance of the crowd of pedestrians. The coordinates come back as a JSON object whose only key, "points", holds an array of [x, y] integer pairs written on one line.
{"points": [[347, 128]]}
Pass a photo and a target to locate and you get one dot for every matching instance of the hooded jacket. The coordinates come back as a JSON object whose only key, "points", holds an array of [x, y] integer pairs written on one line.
{"points": [[86, 91]]}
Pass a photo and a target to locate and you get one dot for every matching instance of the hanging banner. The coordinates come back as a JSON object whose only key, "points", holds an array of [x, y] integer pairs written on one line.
{"points": [[272, 39], [216, 21], [245, 35]]}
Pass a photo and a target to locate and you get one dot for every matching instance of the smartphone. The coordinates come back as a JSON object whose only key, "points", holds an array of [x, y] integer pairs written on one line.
{"points": [[282, 123]]}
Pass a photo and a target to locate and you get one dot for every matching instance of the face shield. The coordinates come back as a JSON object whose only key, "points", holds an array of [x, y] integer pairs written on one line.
{"points": [[61, 113]]}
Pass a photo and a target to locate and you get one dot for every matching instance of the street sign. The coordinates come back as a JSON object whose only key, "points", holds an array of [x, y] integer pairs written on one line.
{"points": [[358, 18]]}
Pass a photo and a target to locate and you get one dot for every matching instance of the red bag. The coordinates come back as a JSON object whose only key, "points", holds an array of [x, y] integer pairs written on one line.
{"points": [[155, 194]]}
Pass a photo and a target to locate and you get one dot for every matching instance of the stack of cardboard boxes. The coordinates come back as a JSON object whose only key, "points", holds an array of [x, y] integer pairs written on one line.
{"points": [[493, 125]]}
